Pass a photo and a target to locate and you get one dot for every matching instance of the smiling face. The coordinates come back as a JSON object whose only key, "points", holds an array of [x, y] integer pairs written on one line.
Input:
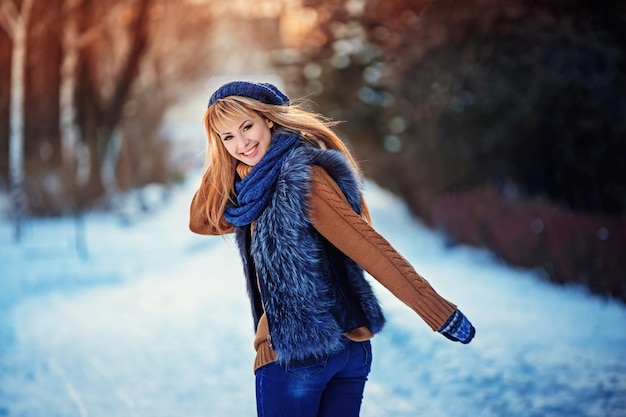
{"points": [[246, 137]]}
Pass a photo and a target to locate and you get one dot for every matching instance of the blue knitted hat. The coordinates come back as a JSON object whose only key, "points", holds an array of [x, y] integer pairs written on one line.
{"points": [[263, 92]]}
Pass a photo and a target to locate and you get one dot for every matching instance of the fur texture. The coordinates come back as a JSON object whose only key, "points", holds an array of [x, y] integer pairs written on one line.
{"points": [[293, 268]]}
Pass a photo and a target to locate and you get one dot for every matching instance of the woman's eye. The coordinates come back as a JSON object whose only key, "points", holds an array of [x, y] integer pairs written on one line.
{"points": [[247, 127], [227, 138]]}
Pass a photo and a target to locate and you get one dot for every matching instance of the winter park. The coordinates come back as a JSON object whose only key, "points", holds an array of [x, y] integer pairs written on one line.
{"points": [[490, 136]]}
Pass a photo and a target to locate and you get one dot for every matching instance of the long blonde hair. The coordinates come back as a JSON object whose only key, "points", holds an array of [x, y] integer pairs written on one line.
{"points": [[220, 169]]}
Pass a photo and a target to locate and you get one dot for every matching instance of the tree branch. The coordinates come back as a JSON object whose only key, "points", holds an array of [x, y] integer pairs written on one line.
{"points": [[92, 33], [27, 6], [129, 71], [9, 17]]}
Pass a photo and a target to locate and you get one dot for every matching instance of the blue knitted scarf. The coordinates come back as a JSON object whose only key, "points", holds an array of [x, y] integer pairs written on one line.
{"points": [[256, 189]]}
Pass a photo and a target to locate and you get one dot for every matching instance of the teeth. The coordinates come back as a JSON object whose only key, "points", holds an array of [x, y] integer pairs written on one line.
{"points": [[249, 152]]}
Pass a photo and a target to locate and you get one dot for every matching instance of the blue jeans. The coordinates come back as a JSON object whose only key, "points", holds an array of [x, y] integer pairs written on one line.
{"points": [[329, 387]]}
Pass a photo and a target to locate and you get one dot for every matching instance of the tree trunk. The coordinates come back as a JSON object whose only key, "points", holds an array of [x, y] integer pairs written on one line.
{"points": [[69, 73], [89, 113], [42, 146], [5, 102], [16, 140]]}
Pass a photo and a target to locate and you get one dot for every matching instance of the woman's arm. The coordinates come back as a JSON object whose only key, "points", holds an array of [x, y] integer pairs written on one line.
{"points": [[198, 220], [333, 217]]}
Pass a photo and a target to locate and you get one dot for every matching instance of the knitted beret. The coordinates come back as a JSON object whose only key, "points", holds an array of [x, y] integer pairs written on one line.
{"points": [[263, 92]]}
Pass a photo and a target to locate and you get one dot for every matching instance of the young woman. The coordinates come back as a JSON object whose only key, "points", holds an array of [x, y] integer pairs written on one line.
{"points": [[285, 184]]}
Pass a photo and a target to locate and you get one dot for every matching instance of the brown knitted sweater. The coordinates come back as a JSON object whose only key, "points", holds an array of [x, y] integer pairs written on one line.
{"points": [[333, 217]]}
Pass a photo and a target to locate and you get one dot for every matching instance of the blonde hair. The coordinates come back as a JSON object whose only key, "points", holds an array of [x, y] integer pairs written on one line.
{"points": [[220, 168]]}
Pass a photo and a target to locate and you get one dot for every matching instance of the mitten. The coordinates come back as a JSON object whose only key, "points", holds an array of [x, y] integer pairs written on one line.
{"points": [[458, 328]]}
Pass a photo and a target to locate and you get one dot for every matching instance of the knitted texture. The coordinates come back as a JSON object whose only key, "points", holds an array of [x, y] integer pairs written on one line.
{"points": [[356, 238], [458, 328], [263, 92], [255, 190]]}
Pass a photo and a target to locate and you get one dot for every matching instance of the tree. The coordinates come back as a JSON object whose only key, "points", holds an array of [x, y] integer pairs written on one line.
{"points": [[100, 109], [5, 106], [15, 22], [42, 146], [177, 56], [516, 96]]}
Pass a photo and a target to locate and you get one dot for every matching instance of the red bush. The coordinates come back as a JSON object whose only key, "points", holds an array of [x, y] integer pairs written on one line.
{"points": [[571, 247]]}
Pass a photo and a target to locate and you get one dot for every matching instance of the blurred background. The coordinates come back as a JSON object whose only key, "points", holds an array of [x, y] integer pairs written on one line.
{"points": [[493, 137], [502, 124]]}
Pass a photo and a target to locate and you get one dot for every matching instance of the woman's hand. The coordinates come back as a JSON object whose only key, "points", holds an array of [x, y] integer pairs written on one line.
{"points": [[458, 328]]}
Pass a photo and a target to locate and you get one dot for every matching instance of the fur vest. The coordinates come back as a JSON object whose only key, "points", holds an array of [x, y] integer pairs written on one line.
{"points": [[311, 292]]}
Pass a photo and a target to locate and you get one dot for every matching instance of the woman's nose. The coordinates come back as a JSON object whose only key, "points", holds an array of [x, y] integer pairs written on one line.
{"points": [[243, 141]]}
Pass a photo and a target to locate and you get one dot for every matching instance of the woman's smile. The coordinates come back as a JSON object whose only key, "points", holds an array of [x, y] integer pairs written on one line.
{"points": [[251, 152]]}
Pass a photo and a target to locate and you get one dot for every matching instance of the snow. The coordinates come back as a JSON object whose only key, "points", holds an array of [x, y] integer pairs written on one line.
{"points": [[102, 316]]}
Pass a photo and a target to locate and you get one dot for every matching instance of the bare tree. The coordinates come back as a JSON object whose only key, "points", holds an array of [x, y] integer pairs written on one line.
{"points": [[70, 41], [43, 184], [181, 52], [104, 81], [15, 22]]}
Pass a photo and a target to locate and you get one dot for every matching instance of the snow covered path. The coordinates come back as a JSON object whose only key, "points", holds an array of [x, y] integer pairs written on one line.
{"points": [[155, 322]]}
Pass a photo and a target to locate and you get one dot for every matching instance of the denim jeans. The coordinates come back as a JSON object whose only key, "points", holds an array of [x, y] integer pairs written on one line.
{"points": [[329, 387]]}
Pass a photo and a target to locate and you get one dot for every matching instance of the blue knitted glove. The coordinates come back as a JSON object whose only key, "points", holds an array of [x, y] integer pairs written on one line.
{"points": [[458, 328]]}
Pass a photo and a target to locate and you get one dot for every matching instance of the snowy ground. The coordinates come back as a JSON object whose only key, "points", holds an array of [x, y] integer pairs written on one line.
{"points": [[154, 321]]}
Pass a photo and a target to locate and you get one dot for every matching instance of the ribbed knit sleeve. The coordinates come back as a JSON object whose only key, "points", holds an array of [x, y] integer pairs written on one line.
{"points": [[198, 220], [333, 217]]}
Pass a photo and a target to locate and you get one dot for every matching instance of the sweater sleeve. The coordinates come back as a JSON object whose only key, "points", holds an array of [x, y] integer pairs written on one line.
{"points": [[198, 220], [333, 217]]}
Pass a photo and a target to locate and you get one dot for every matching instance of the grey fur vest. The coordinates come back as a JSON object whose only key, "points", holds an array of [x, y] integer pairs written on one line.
{"points": [[311, 292]]}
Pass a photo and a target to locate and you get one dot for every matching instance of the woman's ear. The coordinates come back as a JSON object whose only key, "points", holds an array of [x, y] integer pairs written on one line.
{"points": [[270, 123]]}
